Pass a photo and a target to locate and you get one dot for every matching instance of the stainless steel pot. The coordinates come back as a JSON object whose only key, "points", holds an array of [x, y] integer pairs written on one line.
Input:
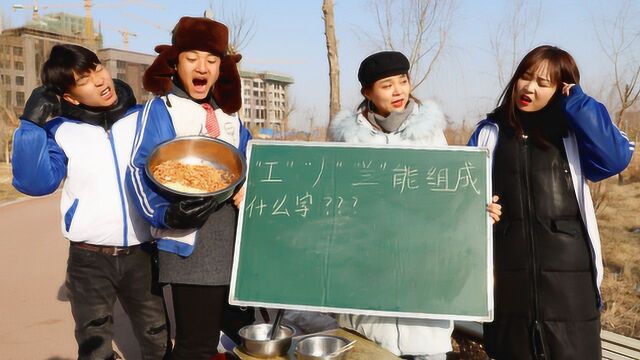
{"points": [[255, 340], [200, 150], [321, 347]]}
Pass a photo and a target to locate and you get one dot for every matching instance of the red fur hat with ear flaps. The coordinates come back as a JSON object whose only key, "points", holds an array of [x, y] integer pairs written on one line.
{"points": [[204, 35]]}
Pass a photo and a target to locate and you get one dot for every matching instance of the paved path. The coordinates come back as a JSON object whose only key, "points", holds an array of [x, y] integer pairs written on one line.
{"points": [[35, 317]]}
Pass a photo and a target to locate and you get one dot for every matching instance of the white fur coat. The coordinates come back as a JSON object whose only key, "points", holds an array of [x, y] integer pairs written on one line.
{"points": [[424, 126], [402, 336]]}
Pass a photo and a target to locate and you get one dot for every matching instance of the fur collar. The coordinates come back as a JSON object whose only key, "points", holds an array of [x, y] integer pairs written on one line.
{"points": [[426, 122]]}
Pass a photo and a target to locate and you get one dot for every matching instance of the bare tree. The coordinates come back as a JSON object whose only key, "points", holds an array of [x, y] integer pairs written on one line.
{"points": [[332, 56], [8, 124], [286, 114], [599, 196], [311, 116], [510, 41], [240, 23], [417, 28], [617, 40], [8, 116]]}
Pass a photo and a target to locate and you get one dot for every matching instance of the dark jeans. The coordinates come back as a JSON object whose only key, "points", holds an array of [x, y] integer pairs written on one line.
{"points": [[94, 281], [201, 312]]}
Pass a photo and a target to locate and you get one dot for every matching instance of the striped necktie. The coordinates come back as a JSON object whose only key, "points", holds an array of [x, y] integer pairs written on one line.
{"points": [[213, 129]]}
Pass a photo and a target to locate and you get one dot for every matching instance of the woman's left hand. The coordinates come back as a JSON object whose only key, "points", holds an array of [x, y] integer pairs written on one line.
{"points": [[566, 88], [239, 196], [494, 209]]}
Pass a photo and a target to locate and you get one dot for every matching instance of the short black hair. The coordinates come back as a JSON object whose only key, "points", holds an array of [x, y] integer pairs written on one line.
{"points": [[57, 71]]}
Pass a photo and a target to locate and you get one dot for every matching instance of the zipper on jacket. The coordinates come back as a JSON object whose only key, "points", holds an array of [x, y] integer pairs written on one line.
{"points": [[537, 340], [125, 240], [536, 329]]}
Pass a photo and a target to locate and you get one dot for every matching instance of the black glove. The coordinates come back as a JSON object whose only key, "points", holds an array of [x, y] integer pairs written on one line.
{"points": [[42, 104], [189, 213]]}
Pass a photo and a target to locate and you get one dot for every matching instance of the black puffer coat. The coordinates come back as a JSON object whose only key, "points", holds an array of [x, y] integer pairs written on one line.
{"points": [[545, 293]]}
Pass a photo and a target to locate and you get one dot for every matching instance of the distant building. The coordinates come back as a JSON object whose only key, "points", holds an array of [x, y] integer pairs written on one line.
{"points": [[129, 67], [23, 50], [265, 103], [68, 24]]}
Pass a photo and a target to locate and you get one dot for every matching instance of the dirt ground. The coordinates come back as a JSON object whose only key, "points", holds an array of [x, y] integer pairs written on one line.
{"points": [[35, 312]]}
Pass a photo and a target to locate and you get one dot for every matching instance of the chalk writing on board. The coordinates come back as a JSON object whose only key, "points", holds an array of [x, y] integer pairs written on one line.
{"points": [[360, 175], [303, 203], [259, 206], [319, 219], [405, 177], [279, 208], [270, 176], [402, 177], [319, 174], [440, 179], [339, 204], [367, 173]]}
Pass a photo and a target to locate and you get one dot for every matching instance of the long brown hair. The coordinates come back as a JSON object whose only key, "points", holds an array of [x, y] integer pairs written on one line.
{"points": [[562, 68]]}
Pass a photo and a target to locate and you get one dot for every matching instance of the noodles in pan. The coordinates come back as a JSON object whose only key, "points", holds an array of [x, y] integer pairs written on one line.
{"points": [[191, 178]]}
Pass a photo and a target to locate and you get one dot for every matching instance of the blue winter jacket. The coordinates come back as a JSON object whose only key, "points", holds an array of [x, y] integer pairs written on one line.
{"points": [[92, 162], [159, 122]]}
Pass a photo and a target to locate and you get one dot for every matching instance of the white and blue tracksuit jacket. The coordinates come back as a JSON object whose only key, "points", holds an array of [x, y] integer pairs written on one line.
{"points": [[596, 149], [92, 162], [158, 123]]}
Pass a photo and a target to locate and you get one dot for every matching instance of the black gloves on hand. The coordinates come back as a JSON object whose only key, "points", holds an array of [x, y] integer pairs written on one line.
{"points": [[189, 213], [42, 104]]}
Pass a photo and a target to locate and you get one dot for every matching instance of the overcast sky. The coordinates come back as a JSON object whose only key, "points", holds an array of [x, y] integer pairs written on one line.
{"points": [[289, 39]]}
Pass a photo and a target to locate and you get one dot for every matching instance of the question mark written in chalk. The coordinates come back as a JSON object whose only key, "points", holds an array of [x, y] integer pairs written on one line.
{"points": [[329, 201]]}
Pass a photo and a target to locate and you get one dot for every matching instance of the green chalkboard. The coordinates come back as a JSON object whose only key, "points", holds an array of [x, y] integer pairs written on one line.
{"points": [[393, 231]]}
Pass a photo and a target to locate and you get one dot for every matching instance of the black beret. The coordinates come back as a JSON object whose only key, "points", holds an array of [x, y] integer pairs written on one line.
{"points": [[382, 65]]}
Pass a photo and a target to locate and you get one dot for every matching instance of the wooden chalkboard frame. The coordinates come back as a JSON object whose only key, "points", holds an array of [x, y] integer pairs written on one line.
{"points": [[487, 316]]}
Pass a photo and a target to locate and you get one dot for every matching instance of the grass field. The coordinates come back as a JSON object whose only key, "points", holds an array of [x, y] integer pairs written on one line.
{"points": [[619, 224]]}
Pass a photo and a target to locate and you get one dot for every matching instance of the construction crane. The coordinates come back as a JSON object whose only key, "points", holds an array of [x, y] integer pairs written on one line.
{"points": [[88, 19], [125, 35], [146, 21], [125, 38], [88, 22], [35, 15]]}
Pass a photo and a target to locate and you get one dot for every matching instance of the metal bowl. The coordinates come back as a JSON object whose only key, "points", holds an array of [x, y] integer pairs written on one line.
{"points": [[255, 340], [319, 347], [200, 150]]}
